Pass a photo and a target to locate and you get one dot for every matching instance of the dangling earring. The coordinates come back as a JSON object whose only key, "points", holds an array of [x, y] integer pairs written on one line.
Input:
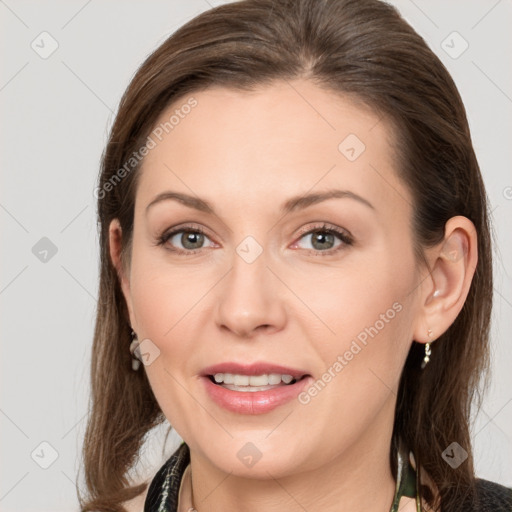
{"points": [[428, 351], [134, 350]]}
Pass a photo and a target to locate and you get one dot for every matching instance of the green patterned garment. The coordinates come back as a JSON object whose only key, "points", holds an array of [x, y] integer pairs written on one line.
{"points": [[406, 481]]}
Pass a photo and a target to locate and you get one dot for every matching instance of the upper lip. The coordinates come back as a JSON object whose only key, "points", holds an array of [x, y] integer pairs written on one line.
{"points": [[259, 368]]}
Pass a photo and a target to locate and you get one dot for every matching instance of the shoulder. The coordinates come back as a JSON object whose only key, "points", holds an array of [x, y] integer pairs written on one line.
{"points": [[490, 496], [493, 496]]}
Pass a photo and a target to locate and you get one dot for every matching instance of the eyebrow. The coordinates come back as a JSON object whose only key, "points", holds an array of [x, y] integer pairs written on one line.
{"points": [[292, 204]]}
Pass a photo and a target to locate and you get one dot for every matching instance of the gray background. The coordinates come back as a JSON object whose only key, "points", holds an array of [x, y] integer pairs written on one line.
{"points": [[56, 112]]}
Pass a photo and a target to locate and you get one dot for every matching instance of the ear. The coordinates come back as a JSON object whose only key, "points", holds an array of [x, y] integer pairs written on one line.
{"points": [[115, 245], [452, 265]]}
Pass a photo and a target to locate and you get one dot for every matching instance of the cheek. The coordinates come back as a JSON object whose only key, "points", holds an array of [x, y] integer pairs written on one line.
{"points": [[168, 303], [163, 295], [363, 313], [164, 314]]}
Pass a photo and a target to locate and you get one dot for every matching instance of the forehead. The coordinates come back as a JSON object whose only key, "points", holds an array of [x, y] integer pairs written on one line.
{"points": [[275, 140]]}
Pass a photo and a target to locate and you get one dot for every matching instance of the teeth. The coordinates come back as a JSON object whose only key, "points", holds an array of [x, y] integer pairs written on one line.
{"points": [[227, 378], [272, 379], [241, 380], [260, 380]]}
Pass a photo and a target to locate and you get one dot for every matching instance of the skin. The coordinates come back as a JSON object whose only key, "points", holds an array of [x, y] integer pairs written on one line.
{"points": [[246, 154]]}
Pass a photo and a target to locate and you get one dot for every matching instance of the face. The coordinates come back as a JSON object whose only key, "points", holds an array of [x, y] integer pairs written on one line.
{"points": [[261, 279]]}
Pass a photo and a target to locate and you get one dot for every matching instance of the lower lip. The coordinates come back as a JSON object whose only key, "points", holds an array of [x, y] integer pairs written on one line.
{"points": [[254, 402]]}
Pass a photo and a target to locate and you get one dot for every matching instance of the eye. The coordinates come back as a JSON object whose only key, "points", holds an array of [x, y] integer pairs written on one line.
{"points": [[191, 238], [323, 238]]}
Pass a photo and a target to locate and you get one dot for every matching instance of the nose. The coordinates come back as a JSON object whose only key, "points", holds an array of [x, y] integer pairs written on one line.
{"points": [[249, 299]]}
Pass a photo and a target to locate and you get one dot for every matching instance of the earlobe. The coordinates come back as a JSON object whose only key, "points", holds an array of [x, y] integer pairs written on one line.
{"points": [[445, 291]]}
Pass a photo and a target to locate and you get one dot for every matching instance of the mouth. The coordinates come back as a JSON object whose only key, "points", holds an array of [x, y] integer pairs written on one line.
{"points": [[253, 377], [253, 389], [254, 383]]}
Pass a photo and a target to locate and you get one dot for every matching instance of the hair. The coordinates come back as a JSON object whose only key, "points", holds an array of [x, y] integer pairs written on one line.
{"points": [[364, 50]]}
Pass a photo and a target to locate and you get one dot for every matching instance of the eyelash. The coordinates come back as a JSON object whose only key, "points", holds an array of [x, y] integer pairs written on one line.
{"points": [[345, 238]]}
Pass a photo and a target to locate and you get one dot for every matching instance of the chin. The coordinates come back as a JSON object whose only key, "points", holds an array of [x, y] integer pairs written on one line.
{"points": [[253, 456]]}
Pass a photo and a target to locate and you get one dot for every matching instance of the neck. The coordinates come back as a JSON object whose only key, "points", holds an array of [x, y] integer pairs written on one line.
{"points": [[358, 479]]}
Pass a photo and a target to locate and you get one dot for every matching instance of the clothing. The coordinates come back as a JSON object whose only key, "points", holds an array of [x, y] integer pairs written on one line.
{"points": [[164, 489]]}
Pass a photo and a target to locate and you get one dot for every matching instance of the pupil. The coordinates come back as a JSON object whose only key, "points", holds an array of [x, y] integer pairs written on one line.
{"points": [[189, 237], [322, 238]]}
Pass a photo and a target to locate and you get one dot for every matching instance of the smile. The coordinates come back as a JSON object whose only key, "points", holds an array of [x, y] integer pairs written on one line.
{"points": [[252, 383], [254, 399]]}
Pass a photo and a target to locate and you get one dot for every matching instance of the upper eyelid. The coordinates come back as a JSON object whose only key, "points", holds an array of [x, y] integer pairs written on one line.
{"points": [[322, 225]]}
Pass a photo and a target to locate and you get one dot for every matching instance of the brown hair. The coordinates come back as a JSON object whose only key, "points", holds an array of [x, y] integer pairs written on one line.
{"points": [[360, 48]]}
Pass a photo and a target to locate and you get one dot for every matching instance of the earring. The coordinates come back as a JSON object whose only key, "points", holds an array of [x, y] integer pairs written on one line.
{"points": [[135, 352], [428, 351]]}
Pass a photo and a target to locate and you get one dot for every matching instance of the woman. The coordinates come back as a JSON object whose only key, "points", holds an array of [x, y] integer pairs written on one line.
{"points": [[295, 245]]}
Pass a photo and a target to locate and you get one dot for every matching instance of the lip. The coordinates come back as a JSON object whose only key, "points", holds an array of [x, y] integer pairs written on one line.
{"points": [[254, 402], [259, 368]]}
